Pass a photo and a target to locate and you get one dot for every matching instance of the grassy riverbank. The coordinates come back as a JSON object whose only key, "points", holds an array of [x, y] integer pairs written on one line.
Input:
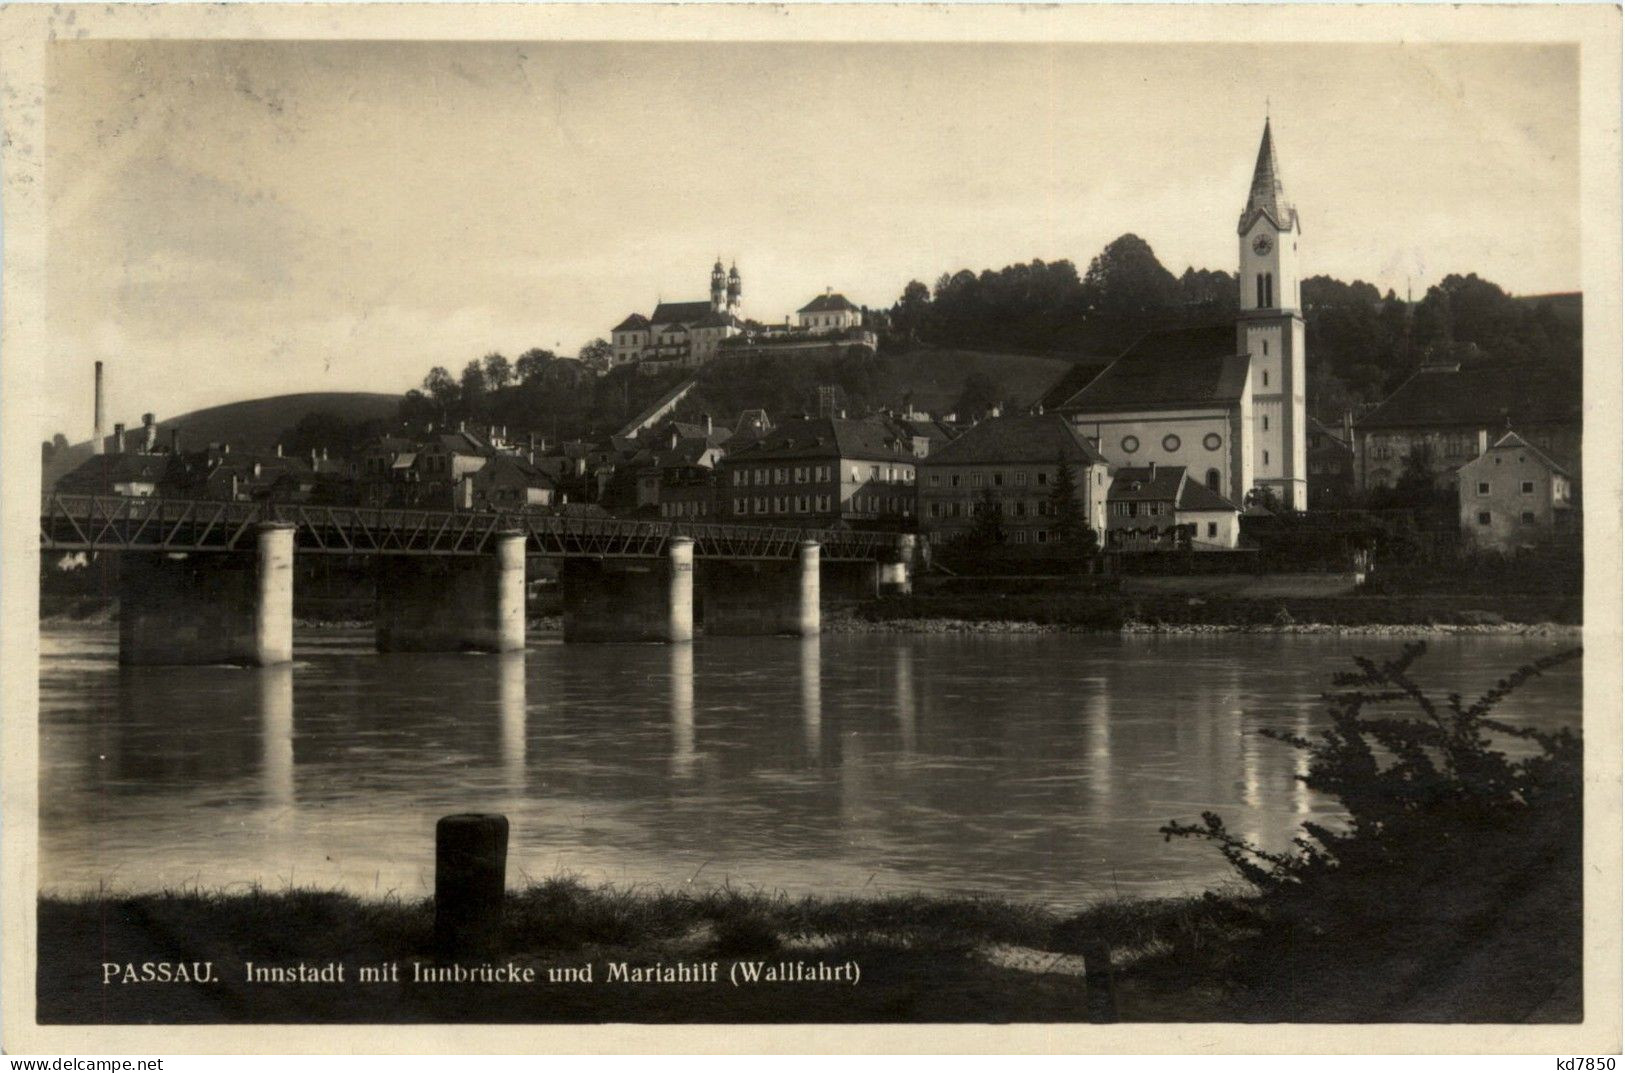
{"points": [[920, 959]]}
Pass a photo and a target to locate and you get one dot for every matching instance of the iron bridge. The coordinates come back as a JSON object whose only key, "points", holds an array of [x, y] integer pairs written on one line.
{"points": [[154, 523]]}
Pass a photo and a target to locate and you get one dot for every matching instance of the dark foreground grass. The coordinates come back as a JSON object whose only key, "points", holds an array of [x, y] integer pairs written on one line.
{"points": [[921, 959]]}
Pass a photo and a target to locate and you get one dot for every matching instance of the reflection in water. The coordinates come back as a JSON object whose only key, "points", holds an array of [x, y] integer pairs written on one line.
{"points": [[274, 686], [1039, 765], [682, 708], [812, 696], [511, 711], [1301, 801], [905, 698]]}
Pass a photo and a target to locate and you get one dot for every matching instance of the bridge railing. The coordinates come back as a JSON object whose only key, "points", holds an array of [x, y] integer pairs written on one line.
{"points": [[90, 522]]}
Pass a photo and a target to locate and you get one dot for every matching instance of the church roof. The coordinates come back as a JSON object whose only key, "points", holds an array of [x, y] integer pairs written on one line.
{"points": [[828, 303], [1168, 369], [1267, 196], [1040, 438], [1075, 379], [681, 312], [717, 320]]}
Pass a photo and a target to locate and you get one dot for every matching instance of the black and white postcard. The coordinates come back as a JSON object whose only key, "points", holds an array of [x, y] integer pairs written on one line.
{"points": [[662, 526]]}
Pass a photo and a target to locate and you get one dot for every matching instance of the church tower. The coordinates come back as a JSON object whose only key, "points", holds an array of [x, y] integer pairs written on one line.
{"points": [[733, 290], [718, 287], [1270, 330]]}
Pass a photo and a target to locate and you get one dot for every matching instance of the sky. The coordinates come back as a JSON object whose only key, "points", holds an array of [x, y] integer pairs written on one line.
{"points": [[229, 220]]}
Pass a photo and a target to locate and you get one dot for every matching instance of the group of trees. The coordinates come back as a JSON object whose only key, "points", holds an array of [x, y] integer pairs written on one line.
{"points": [[1362, 344]]}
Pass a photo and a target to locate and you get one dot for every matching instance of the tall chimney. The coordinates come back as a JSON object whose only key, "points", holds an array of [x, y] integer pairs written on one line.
{"points": [[118, 438], [149, 434], [175, 441], [96, 443]]}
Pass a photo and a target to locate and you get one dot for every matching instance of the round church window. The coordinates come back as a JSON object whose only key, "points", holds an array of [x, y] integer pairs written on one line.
{"points": [[1211, 441], [1131, 444], [1170, 443]]}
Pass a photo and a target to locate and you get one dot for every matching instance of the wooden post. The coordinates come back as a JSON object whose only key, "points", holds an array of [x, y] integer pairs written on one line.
{"points": [[1099, 989], [470, 872]]}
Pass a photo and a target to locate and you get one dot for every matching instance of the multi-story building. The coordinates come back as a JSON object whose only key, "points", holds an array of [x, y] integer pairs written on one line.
{"points": [[1010, 464], [1443, 413], [1513, 496], [821, 471]]}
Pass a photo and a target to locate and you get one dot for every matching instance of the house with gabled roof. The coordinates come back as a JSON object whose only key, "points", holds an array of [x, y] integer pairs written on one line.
{"points": [[820, 471], [1514, 496], [1157, 507]]}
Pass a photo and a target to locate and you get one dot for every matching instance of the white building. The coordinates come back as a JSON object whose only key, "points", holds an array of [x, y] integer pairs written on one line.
{"points": [[682, 334], [1224, 401], [829, 313]]}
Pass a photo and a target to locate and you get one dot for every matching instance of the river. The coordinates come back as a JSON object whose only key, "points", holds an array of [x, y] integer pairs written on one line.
{"points": [[1036, 767]]}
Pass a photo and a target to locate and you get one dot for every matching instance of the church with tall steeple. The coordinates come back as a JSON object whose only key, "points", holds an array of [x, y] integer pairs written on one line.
{"points": [[1224, 401]]}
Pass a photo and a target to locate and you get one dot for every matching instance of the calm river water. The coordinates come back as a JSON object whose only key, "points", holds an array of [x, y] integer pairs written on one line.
{"points": [[1036, 767]]}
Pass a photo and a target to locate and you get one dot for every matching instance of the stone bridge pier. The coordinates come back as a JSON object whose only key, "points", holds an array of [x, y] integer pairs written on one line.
{"points": [[453, 604], [216, 607], [630, 599], [763, 597]]}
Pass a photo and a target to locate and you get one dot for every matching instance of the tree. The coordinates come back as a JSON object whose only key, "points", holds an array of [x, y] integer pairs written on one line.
{"points": [[1126, 279], [979, 393], [598, 355], [472, 389], [532, 363], [1072, 529], [909, 315], [498, 371], [442, 389]]}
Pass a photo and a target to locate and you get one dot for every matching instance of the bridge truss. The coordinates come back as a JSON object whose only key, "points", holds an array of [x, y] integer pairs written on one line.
{"points": [[153, 523]]}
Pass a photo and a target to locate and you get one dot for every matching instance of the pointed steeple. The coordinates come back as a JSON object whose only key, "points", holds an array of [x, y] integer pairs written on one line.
{"points": [[1267, 195]]}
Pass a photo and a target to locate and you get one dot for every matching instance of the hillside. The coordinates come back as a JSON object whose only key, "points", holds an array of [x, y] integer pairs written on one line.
{"points": [[251, 423]]}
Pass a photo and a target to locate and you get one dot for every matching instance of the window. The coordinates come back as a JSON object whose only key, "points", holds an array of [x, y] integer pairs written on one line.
{"points": [[1170, 443], [1266, 458], [1483, 517], [1266, 371], [936, 479], [855, 474], [874, 473], [954, 480], [1211, 441], [1213, 529], [1042, 536], [778, 504], [976, 480], [998, 480], [1266, 354], [1528, 488], [1212, 480], [1021, 479], [803, 504], [1043, 478], [1131, 444], [823, 503], [1021, 536], [741, 506], [1483, 488], [761, 504], [1528, 517], [956, 510], [936, 510], [1021, 508], [1266, 422]]}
